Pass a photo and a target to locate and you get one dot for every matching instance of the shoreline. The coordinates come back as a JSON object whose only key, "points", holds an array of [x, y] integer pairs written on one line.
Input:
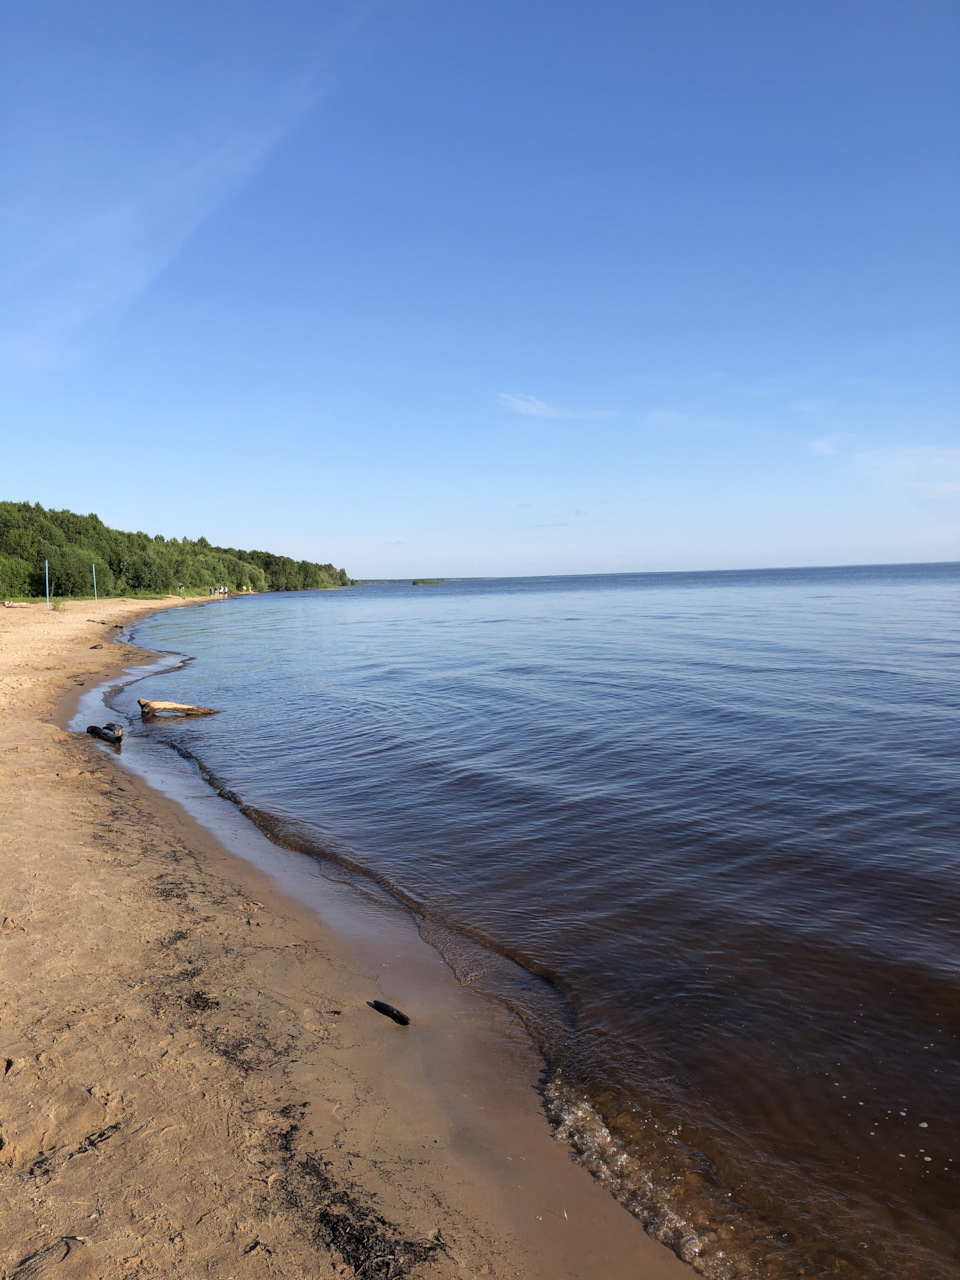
{"points": [[197, 1083]]}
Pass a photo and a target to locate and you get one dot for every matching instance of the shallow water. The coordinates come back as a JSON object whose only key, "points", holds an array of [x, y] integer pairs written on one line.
{"points": [[714, 819]]}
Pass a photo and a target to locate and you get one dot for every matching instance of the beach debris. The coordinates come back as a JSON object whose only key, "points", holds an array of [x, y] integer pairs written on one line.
{"points": [[338, 1217], [15, 604], [389, 1011], [96, 646], [97, 622], [150, 709], [201, 1002], [110, 732]]}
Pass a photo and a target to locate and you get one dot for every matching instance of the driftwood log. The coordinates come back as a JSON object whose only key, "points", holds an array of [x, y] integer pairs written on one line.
{"points": [[150, 709]]}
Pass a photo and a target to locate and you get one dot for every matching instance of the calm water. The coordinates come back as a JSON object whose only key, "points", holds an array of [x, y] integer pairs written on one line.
{"points": [[700, 830]]}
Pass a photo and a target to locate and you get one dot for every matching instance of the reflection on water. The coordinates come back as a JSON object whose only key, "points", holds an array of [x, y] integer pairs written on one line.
{"points": [[714, 818]]}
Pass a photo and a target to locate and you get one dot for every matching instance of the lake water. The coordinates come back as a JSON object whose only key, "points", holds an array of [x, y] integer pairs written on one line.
{"points": [[699, 830]]}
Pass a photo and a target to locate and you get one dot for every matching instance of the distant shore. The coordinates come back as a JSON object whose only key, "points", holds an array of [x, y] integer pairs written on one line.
{"points": [[194, 1081]]}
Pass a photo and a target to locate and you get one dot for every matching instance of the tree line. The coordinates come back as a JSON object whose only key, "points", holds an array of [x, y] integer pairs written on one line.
{"points": [[134, 563]]}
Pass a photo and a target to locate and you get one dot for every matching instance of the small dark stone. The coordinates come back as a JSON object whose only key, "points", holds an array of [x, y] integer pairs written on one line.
{"points": [[111, 732]]}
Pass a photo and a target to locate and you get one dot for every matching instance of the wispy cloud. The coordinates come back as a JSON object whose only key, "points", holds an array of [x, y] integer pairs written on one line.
{"points": [[105, 185], [661, 418], [86, 269], [829, 444], [532, 407], [682, 420], [926, 471]]}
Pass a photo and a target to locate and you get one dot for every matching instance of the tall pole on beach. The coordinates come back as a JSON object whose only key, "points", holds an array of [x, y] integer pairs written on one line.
{"points": [[95, 582], [46, 574]]}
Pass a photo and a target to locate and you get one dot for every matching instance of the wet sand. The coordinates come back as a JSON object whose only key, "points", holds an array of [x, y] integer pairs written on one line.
{"points": [[192, 1080]]}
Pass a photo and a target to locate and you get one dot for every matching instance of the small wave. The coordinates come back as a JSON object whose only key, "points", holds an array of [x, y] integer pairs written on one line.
{"points": [[670, 1188]]}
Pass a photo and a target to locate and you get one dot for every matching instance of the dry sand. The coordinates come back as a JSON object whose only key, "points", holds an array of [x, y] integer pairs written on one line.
{"points": [[192, 1081]]}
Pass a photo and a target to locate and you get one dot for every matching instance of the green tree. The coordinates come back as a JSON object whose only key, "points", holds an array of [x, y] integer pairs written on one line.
{"points": [[134, 563]]}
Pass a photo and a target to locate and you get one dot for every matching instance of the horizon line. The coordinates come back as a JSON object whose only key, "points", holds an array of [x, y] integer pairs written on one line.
{"points": [[440, 579]]}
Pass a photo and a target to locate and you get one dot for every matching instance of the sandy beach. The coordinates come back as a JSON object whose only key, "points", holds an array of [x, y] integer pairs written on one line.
{"points": [[193, 1082]]}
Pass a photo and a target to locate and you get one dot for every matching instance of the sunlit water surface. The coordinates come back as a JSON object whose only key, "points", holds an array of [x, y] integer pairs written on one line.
{"points": [[703, 828]]}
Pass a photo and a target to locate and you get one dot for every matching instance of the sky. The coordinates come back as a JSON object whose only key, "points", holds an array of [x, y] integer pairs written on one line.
{"points": [[469, 287]]}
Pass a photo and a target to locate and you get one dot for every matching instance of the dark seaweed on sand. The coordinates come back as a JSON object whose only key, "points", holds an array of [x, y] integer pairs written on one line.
{"points": [[335, 1219]]}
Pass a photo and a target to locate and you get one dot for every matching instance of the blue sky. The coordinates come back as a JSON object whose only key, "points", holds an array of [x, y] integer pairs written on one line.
{"points": [[472, 287]]}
